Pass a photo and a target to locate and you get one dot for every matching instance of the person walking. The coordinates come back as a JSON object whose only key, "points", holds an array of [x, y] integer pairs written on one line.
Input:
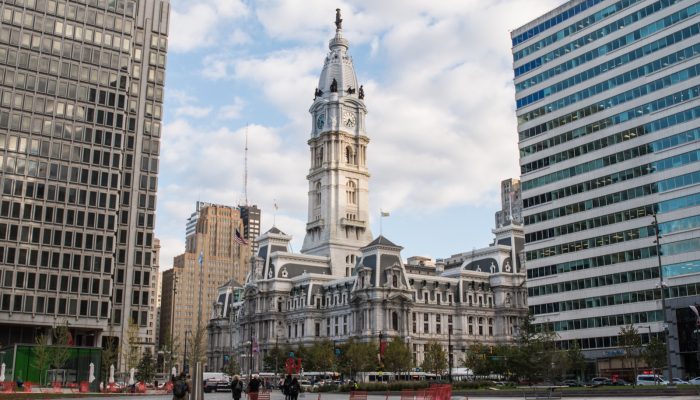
{"points": [[294, 389], [286, 386], [236, 387], [181, 387], [253, 387]]}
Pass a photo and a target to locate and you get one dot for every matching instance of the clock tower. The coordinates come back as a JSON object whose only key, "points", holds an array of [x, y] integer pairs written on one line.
{"points": [[338, 223]]}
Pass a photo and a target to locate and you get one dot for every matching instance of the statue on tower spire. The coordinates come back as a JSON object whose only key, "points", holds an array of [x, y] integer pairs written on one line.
{"points": [[338, 20]]}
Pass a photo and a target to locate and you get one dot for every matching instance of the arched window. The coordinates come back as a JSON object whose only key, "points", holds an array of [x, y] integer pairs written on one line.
{"points": [[318, 160], [394, 321], [395, 281], [350, 156], [317, 190], [352, 192]]}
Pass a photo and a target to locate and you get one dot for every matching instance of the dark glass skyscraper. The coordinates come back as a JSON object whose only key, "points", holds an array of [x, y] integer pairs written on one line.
{"points": [[81, 94]]}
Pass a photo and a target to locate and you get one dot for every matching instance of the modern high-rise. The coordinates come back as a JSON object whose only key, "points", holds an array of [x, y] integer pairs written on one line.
{"points": [[81, 103], [608, 108], [251, 225], [215, 252]]}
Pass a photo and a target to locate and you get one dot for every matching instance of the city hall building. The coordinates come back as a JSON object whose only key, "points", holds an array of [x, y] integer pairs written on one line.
{"points": [[346, 283]]}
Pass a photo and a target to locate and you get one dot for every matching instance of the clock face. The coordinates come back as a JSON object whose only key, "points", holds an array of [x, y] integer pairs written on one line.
{"points": [[349, 119], [320, 121]]}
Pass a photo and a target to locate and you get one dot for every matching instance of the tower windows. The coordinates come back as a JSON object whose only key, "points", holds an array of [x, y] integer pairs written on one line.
{"points": [[351, 192], [317, 194], [318, 156], [350, 156]]}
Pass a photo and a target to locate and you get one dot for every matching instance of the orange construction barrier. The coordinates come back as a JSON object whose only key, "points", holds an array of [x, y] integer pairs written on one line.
{"points": [[56, 385], [408, 394], [84, 387], [358, 395], [8, 387]]}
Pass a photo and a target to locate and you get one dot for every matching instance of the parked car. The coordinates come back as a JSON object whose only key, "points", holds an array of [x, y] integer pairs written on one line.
{"points": [[571, 383], [600, 381], [649, 379], [216, 381], [679, 381], [621, 382], [305, 385], [694, 381]]}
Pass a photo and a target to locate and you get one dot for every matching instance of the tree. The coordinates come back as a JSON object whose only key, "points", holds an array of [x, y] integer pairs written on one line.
{"points": [[42, 355], [575, 361], [274, 360], [171, 350], [356, 357], [130, 349], [198, 346], [397, 356], [435, 358], [475, 359], [146, 369], [320, 356], [110, 355], [654, 354], [61, 350], [231, 368], [631, 342], [533, 357]]}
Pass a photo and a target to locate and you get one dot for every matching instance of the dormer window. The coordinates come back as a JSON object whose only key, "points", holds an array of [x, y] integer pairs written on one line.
{"points": [[395, 281]]}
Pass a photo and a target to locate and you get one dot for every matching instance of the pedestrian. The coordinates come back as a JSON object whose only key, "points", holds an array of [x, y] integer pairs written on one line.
{"points": [[236, 387], [181, 387], [286, 386], [294, 389], [253, 387]]}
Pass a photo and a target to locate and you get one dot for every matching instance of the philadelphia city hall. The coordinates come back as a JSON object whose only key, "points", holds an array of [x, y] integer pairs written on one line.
{"points": [[346, 284]]}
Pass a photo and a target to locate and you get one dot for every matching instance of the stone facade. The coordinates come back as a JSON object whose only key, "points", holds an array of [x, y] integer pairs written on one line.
{"points": [[345, 285]]}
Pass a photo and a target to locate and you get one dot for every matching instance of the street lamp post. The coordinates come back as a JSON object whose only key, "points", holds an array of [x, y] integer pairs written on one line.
{"points": [[667, 331], [185, 366], [449, 352]]}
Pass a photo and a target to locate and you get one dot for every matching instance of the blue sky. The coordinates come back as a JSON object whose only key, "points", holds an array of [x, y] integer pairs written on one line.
{"points": [[438, 84]]}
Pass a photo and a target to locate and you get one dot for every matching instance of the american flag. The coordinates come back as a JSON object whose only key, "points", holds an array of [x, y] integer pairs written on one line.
{"points": [[239, 239]]}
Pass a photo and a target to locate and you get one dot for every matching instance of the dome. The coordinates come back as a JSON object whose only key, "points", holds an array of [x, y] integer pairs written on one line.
{"points": [[338, 66]]}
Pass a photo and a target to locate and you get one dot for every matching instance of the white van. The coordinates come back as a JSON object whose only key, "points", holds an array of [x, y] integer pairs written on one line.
{"points": [[648, 379]]}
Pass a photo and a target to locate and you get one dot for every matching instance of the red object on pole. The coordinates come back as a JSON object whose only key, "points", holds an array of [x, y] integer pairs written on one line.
{"points": [[299, 368], [290, 366]]}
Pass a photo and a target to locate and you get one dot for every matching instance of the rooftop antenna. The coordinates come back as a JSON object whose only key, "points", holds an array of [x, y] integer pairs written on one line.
{"points": [[245, 173]]}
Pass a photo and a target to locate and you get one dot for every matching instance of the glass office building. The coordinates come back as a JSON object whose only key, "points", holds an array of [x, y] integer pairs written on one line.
{"points": [[81, 94], [608, 108]]}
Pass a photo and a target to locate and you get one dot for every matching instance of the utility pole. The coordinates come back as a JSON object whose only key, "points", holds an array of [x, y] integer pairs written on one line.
{"points": [[667, 322]]}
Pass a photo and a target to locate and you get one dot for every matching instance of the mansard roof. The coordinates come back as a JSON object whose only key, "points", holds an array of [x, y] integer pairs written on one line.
{"points": [[382, 241]]}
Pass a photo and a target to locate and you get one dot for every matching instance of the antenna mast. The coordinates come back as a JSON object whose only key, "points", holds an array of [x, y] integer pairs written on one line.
{"points": [[245, 176]]}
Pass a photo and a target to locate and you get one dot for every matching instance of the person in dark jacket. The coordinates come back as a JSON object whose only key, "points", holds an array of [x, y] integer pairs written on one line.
{"points": [[286, 386], [254, 387], [294, 389], [236, 387]]}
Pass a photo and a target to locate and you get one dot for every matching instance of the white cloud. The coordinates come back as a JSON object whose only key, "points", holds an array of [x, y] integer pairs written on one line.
{"points": [[438, 84], [233, 110], [197, 24], [192, 111]]}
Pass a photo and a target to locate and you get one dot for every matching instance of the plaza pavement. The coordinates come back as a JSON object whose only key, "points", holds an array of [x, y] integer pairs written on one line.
{"points": [[276, 395]]}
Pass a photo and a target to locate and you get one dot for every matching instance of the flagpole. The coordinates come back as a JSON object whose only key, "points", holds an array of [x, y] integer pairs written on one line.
{"points": [[382, 214]]}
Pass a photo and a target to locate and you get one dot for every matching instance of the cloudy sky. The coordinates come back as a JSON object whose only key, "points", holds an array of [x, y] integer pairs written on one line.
{"points": [[438, 84]]}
